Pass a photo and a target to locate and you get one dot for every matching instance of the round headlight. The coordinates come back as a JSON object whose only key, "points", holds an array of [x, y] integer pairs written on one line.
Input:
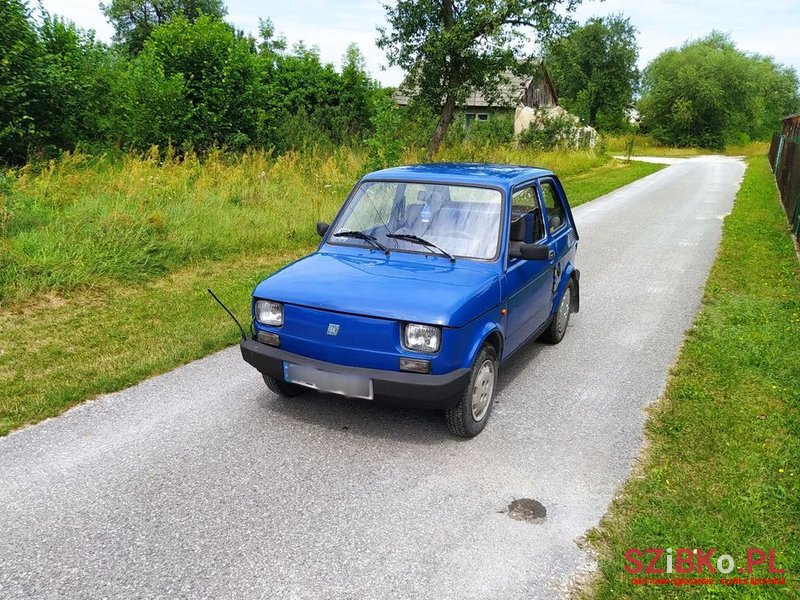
{"points": [[269, 312], [422, 338]]}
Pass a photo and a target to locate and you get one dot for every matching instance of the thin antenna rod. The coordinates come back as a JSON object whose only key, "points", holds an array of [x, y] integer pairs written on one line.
{"points": [[235, 320]]}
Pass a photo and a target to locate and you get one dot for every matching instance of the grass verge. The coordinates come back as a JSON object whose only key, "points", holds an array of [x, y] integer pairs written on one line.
{"points": [[62, 346], [722, 465], [644, 145], [59, 350], [587, 186]]}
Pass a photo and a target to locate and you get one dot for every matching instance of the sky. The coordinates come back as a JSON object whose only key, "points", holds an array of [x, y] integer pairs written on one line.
{"points": [[772, 29]]}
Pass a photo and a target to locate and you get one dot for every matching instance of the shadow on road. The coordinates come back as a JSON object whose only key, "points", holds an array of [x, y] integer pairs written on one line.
{"points": [[370, 419]]}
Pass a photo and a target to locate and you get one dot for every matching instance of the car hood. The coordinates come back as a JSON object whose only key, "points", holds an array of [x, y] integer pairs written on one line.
{"points": [[400, 287]]}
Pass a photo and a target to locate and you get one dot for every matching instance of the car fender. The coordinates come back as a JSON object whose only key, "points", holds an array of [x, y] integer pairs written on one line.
{"points": [[488, 328], [569, 272]]}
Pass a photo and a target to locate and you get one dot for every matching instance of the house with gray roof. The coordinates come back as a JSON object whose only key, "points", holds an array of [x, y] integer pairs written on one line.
{"points": [[533, 92]]}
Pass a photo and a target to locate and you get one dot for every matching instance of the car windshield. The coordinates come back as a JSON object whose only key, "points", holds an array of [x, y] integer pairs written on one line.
{"points": [[463, 221]]}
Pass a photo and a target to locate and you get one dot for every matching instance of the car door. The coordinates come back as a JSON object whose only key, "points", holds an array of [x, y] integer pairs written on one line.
{"points": [[558, 227], [528, 283]]}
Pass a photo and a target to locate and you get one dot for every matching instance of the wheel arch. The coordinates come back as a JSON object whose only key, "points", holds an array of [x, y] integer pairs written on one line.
{"points": [[490, 334], [573, 274], [495, 340]]}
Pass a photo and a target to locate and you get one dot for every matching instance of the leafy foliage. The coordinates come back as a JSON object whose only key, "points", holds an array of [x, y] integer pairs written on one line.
{"points": [[593, 69], [20, 75], [220, 76], [451, 47], [196, 84], [135, 20], [550, 131], [385, 145], [709, 94], [77, 73], [497, 129], [150, 108]]}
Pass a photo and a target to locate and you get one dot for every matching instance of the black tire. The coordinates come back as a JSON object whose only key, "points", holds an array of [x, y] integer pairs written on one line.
{"points": [[461, 419], [558, 326], [283, 389]]}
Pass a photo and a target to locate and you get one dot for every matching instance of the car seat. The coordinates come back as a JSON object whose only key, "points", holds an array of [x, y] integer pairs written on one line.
{"points": [[518, 234]]}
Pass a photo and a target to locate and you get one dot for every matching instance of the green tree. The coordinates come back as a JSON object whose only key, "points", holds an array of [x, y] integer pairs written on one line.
{"points": [[593, 69], [221, 78], [20, 80], [357, 91], [318, 105], [148, 108], [709, 94], [196, 83], [134, 20], [385, 145], [77, 71], [450, 47], [54, 84]]}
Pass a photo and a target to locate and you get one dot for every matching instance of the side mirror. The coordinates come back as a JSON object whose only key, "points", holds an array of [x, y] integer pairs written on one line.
{"points": [[322, 228], [530, 252]]}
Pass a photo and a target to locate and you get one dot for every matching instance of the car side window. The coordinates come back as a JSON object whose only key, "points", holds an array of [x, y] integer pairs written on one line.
{"points": [[526, 216], [553, 205]]}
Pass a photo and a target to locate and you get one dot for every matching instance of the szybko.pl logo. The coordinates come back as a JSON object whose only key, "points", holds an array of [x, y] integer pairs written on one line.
{"points": [[657, 562]]}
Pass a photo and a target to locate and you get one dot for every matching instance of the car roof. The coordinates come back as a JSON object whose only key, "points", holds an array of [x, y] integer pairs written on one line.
{"points": [[470, 173]]}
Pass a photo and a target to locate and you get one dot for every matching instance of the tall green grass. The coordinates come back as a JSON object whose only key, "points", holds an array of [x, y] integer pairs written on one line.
{"points": [[82, 221]]}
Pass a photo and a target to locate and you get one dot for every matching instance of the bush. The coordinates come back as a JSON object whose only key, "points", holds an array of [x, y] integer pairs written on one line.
{"points": [[552, 130], [385, 145], [220, 76], [196, 84], [498, 129], [20, 81], [149, 108]]}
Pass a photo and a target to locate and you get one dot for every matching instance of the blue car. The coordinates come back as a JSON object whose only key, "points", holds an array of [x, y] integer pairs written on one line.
{"points": [[429, 277]]}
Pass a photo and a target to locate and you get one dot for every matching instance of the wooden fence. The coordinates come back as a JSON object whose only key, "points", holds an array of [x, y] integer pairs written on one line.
{"points": [[784, 157]]}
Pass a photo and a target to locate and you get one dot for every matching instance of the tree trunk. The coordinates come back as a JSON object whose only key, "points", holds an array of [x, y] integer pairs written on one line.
{"points": [[593, 115], [449, 106], [448, 110]]}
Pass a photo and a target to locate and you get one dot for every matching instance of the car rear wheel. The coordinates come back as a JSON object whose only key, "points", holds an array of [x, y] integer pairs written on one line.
{"points": [[468, 418], [283, 389], [558, 326]]}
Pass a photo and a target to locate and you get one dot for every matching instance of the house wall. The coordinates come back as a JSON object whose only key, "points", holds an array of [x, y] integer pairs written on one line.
{"points": [[539, 94], [492, 112]]}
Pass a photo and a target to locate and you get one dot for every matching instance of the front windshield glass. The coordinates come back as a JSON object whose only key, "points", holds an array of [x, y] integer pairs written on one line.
{"points": [[463, 221]]}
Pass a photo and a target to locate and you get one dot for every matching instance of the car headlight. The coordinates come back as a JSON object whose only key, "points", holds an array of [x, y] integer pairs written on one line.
{"points": [[422, 338], [269, 312]]}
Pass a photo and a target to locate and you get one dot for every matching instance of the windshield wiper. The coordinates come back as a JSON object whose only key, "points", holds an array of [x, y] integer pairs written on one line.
{"points": [[411, 237], [363, 236]]}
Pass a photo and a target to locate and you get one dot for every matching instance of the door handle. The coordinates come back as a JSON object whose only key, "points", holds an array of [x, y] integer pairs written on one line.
{"points": [[551, 256]]}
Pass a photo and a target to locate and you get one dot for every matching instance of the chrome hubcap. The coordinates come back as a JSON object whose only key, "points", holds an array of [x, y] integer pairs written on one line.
{"points": [[564, 310], [482, 390]]}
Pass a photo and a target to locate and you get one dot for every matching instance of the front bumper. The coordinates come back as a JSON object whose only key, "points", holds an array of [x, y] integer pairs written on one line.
{"points": [[391, 387]]}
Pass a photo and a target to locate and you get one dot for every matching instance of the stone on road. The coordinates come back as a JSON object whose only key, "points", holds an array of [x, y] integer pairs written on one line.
{"points": [[200, 483]]}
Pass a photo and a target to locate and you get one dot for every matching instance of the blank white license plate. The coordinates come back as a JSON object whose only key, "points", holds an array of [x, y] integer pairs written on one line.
{"points": [[324, 381]]}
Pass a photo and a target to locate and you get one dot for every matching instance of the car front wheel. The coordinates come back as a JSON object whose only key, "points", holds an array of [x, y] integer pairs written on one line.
{"points": [[468, 418]]}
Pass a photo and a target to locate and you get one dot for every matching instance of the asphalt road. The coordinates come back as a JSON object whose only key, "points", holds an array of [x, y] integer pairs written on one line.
{"points": [[199, 483]]}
